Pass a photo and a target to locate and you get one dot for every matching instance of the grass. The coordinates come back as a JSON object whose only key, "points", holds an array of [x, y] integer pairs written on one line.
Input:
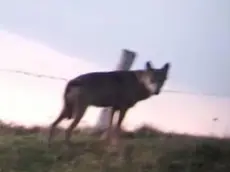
{"points": [[145, 150]]}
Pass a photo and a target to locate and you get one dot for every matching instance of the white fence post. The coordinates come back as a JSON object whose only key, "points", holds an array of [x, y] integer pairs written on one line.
{"points": [[125, 63]]}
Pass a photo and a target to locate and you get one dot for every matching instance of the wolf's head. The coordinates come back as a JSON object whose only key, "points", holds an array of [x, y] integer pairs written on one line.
{"points": [[154, 79]]}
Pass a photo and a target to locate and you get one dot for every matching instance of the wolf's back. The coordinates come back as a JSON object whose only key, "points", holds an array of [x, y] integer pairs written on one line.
{"points": [[97, 79]]}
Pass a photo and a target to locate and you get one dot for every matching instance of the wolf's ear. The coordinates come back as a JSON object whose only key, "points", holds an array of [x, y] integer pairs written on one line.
{"points": [[148, 65], [166, 67]]}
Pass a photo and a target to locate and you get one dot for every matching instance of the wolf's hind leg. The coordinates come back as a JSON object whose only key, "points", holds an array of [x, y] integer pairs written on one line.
{"points": [[64, 114], [78, 113]]}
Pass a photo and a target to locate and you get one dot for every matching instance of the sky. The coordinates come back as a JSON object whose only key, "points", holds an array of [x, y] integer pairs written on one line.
{"points": [[31, 100], [193, 35], [88, 35]]}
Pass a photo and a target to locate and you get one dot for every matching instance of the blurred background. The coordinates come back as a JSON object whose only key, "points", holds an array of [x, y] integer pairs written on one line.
{"points": [[43, 43]]}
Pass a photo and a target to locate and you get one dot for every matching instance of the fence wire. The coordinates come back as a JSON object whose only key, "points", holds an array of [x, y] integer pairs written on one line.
{"points": [[36, 75], [33, 74]]}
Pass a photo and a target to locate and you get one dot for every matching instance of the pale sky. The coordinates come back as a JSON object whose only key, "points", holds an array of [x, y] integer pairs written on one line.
{"points": [[194, 35], [29, 100]]}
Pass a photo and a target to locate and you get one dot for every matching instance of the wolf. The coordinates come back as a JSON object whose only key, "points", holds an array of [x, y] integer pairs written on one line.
{"points": [[118, 90]]}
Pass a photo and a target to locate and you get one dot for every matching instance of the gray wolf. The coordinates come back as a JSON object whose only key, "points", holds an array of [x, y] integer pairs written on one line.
{"points": [[119, 90]]}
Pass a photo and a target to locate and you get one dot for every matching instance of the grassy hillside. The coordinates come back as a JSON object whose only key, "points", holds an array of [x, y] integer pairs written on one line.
{"points": [[146, 150]]}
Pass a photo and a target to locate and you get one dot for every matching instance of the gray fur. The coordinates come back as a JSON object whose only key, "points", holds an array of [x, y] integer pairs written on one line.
{"points": [[119, 90]]}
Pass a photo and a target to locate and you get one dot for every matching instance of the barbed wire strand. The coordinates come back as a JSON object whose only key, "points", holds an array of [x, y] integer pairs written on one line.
{"points": [[31, 74]]}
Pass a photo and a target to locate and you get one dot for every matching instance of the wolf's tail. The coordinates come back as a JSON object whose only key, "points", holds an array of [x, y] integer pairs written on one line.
{"points": [[68, 104], [68, 109]]}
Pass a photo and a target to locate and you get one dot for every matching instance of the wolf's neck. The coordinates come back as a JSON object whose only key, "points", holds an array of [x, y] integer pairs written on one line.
{"points": [[144, 80]]}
